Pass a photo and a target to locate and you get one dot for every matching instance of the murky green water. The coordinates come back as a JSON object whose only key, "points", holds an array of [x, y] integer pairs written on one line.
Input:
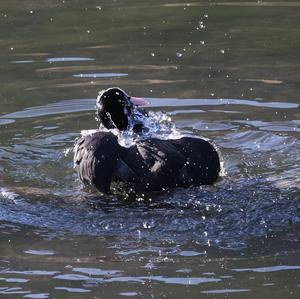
{"points": [[227, 71]]}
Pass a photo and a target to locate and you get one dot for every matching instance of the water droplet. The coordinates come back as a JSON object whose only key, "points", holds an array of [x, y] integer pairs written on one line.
{"points": [[222, 51], [152, 54], [201, 25], [179, 54]]}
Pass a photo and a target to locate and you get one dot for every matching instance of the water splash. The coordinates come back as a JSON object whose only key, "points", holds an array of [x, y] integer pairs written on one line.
{"points": [[152, 125]]}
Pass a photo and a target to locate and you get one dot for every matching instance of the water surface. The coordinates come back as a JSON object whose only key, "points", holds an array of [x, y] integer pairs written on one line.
{"points": [[224, 70]]}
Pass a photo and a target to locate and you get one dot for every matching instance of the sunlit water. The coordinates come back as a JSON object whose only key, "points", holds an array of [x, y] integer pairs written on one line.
{"points": [[224, 71]]}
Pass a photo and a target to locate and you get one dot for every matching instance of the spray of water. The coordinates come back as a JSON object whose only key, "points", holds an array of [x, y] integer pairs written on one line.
{"points": [[153, 125]]}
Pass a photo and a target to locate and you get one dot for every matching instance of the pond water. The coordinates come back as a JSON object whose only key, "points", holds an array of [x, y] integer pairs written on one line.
{"points": [[226, 71]]}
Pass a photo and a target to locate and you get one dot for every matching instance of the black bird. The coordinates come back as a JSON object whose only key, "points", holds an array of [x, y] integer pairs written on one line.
{"points": [[150, 164]]}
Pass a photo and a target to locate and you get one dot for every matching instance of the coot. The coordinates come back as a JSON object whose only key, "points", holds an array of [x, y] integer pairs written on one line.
{"points": [[149, 164]]}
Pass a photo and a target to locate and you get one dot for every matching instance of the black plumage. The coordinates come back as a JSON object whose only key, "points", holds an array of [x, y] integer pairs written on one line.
{"points": [[148, 165]]}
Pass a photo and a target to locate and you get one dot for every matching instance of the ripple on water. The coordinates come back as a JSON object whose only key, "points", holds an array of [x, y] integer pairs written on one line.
{"points": [[22, 61], [37, 296], [62, 107], [76, 105], [100, 75], [6, 121], [95, 271], [39, 252], [222, 216], [173, 102], [269, 269], [212, 126], [13, 291], [68, 59], [12, 279], [226, 291], [258, 141], [275, 126], [183, 280], [191, 253], [142, 279], [73, 290], [72, 277], [128, 294], [30, 272]]}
